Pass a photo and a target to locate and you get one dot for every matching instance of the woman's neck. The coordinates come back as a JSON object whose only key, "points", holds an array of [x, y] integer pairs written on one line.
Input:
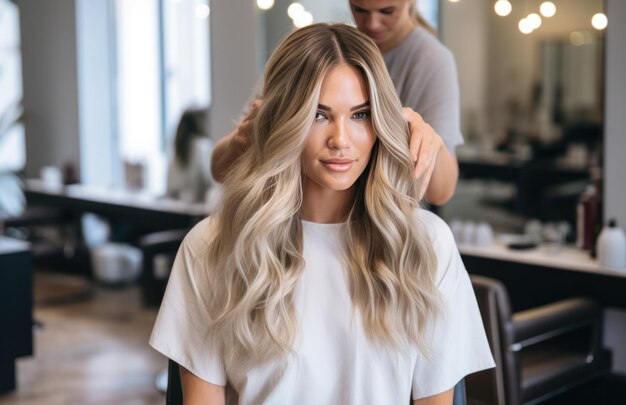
{"points": [[325, 206]]}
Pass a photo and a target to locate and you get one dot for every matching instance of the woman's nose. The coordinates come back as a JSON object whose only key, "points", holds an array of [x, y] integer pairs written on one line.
{"points": [[339, 135]]}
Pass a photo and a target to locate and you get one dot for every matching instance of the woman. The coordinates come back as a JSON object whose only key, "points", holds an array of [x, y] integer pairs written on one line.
{"points": [[319, 280], [424, 74], [188, 173]]}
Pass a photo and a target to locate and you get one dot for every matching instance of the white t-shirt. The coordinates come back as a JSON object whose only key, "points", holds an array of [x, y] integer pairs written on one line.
{"points": [[424, 73], [334, 362]]}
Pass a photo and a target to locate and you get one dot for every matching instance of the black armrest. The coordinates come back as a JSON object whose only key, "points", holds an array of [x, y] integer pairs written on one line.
{"points": [[162, 241], [551, 320], [151, 245]]}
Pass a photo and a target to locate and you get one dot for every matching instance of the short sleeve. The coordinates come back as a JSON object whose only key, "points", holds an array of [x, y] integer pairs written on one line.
{"points": [[441, 100], [180, 331], [458, 344]]}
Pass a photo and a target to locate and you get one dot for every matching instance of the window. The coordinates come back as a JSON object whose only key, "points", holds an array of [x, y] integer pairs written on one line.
{"points": [[12, 147], [141, 64]]}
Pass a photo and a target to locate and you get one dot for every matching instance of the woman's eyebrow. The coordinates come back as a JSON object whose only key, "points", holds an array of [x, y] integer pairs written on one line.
{"points": [[356, 107], [324, 107]]}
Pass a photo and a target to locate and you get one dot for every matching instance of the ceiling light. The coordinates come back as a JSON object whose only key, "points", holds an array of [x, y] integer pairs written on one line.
{"points": [[265, 4], [203, 11], [576, 38], [294, 10], [525, 26], [534, 20], [599, 21], [547, 9], [303, 19], [502, 8]]}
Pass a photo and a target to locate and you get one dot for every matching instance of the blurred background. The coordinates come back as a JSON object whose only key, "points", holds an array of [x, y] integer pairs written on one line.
{"points": [[93, 95]]}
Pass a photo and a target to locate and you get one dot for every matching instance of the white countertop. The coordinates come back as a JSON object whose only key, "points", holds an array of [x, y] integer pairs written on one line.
{"points": [[10, 245], [568, 258], [138, 199]]}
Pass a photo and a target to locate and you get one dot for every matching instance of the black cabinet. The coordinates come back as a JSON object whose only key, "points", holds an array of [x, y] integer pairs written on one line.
{"points": [[16, 308]]}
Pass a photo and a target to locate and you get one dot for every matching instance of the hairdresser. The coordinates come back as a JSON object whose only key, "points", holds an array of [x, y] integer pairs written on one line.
{"points": [[424, 74]]}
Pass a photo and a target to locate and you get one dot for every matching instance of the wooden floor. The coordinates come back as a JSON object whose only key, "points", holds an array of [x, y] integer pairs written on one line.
{"points": [[90, 350]]}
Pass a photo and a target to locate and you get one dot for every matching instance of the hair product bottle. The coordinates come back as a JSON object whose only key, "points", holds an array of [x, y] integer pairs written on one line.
{"points": [[612, 246], [586, 218]]}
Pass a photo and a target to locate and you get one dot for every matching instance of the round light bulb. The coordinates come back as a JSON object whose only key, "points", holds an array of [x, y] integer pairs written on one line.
{"points": [[294, 10], [525, 26], [576, 38], [502, 8], [303, 19], [203, 11], [265, 4], [547, 9], [534, 20], [599, 21]]}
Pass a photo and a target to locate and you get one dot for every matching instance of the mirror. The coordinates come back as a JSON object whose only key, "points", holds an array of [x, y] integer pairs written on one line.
{"points": [[531, 106]]}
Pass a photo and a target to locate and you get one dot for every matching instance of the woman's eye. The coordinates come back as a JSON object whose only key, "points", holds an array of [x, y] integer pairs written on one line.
{"points": [[319, 116], [362, 115], [387, 11]]}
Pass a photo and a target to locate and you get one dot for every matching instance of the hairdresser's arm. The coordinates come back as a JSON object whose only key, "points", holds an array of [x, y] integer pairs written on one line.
{"points": [[233, 145], [445, 398], [437, 168], [198, 391]]}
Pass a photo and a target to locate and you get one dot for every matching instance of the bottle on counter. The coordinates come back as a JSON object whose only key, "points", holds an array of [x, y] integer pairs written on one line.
{"points": [[611, 246], [587, 218]]}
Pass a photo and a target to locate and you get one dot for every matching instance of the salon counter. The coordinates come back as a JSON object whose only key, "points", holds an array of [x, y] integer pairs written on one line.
{"points": [[536, 276]]}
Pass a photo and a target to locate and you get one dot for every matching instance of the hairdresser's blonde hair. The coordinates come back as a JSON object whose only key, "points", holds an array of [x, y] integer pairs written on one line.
{"points": [[255, 258], [419, 19]]}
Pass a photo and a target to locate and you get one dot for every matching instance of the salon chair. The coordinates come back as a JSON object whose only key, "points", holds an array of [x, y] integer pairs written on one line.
{"points": [[34, 217], [539, 352], [174, 394], [165, 244]]}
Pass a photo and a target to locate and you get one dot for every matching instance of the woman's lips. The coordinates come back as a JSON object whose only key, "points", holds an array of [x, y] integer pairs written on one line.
{"points": [[338, 165]]}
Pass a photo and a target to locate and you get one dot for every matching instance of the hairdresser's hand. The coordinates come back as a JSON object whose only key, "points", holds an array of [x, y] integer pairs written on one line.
{"points": [[232, 146], [425, 146], [241, 135]]}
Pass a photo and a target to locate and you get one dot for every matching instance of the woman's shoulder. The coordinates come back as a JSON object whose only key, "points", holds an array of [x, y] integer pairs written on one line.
{"points": [[198, 238], [444, 248], [436, 228]]}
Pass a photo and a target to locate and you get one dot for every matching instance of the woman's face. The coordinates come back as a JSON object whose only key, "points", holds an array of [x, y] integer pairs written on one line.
{"points": [[387, 22], [341, 139]]}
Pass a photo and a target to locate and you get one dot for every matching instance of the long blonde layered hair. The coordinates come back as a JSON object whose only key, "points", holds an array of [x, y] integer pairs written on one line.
{"points": [[255, 257]]}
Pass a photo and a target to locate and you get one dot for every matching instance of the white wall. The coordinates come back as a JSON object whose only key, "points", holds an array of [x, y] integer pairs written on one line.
{"points": [[48, 32], [614, 162], [615, 114], [235, 67], [469, 44]]}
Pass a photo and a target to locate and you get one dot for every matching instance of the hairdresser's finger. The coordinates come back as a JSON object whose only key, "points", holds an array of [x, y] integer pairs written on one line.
{"points": [[424, 158], [416, 127], [254, 108], [426, 179]]}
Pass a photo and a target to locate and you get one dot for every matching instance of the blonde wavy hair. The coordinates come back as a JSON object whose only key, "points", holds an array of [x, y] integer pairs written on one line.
{"points": [[255, 256]]}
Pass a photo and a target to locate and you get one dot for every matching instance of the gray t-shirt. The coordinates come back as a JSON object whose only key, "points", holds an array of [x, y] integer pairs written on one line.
{"points": [[424, 73]]}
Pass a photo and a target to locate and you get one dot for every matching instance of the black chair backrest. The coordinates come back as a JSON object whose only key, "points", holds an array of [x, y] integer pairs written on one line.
{"points": [[492, 386], [174, 395]]}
